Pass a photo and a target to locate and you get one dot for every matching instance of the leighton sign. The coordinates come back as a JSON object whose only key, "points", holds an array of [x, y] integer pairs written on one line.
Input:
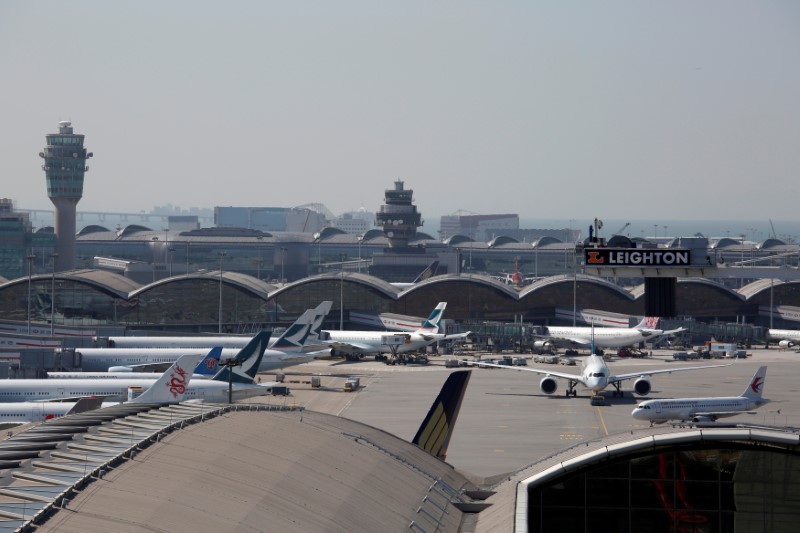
{"points": [[616, 257]]}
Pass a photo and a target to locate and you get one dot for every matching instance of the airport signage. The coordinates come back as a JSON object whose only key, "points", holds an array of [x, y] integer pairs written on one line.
{"points": [[632, 257]]}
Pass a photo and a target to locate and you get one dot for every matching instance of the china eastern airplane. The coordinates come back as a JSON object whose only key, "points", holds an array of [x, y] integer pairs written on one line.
{"points": [[372, 342], [603, 337], [117, 389], [787, 338], [169, 388], [705, 409], [595, 375]]}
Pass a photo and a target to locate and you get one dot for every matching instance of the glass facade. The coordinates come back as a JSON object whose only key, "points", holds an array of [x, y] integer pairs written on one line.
{"points": [[708, 490]]}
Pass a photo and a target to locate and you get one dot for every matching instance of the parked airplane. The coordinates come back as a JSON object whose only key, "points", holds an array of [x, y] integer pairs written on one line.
{"points": [[116, 389], [434, 433], [787, 338], [595, 375], [288, 350], [205, 369], [603, 337], [372, 342], [290, 338], [429, 271], [705, 409], [169, 388]]}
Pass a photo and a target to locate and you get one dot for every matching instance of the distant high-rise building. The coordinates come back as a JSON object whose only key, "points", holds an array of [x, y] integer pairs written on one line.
{"points": [[64, 167]]}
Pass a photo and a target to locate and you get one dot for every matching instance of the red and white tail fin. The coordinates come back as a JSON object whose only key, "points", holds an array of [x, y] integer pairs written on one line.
{"points": [[756, 387], [172, 385], [648, 322]]}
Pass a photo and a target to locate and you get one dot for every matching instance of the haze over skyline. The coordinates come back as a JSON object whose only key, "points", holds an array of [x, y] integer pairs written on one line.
{"points": [[621, 110]]}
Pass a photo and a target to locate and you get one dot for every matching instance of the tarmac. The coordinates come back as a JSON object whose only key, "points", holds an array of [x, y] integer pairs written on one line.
{"points": [[507, 423]]}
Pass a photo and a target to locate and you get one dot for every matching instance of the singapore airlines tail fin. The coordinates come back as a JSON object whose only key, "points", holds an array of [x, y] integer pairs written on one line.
{"points": [[755, 389], [171, 386], [431, 325], [434, 434], [250, 358]]}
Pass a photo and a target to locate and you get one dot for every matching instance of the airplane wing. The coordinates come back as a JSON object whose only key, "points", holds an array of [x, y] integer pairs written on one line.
{"points": [[349, 346], [564, 341], [457, 336], [150, 367], [633, 375], [563, 375], [713, 415]]}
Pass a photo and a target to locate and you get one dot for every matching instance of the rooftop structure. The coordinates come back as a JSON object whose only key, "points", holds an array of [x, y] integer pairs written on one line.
{"points": [[398, 216]]}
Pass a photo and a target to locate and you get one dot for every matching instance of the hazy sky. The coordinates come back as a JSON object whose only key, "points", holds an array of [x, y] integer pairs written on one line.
{"points": [[553, 110]]}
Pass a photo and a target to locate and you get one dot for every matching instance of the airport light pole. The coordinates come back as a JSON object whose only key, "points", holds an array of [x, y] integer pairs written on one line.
{"points": [[360, 238], [221, 255], [260, 239], [283, 258], [31, 257], [53, 294], [187, 257], [155, 240], [341, 291], [171, 250]]}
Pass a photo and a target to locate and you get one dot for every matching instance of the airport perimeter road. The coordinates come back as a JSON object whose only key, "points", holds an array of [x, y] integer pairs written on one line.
{"points": [[506, 422]]}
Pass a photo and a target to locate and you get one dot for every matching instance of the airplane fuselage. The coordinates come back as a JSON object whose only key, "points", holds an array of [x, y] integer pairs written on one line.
{"points": [[101, 359], [784, 334], [688, 408], [370, 342], [24, 390], [603, 337]]}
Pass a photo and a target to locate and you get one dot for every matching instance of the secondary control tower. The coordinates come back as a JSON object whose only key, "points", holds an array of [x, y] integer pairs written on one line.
{"points": [[64, 167], [398, 216]]}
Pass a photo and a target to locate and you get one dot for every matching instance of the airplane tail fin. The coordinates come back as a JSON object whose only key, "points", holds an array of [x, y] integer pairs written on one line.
{"points": [[431, 325], [209, 366], [301, 331], [88, 403], [756, 386], [250, 357], [171, 385], [648, 322], [429, 271], [434, 434], [320, 312]]}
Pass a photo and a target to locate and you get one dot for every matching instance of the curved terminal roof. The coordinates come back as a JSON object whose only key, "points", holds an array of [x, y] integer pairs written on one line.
{"points": [[541, 242], [501, 240], [103, 280], [243, 281], [92, 228], [454, 240], [508, 511], [462, 278]]}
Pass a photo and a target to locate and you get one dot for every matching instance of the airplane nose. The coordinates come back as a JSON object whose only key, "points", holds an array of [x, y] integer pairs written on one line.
{"points": [[636, 413]]}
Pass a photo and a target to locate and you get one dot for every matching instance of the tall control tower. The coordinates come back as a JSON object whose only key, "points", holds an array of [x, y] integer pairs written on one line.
{"points": [[64, 166], [398, 216]]}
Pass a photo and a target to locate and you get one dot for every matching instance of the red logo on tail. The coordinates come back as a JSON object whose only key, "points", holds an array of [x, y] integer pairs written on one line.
{"points": [[756, 385], [177, 385]]}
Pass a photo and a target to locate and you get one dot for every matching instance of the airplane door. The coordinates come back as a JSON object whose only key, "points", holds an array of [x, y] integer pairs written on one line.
{"points": [[36, 413], [658, 407]]}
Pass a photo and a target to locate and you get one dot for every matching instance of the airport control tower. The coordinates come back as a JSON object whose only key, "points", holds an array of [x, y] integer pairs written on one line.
{"points": [[64, 166], [398, 216]]}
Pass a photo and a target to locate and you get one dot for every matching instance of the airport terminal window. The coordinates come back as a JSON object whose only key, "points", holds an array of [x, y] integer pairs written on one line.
{"points": [[705, 489]]}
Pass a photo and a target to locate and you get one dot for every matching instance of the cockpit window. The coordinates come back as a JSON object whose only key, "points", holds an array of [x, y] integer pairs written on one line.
{"points": [[599, 375]]}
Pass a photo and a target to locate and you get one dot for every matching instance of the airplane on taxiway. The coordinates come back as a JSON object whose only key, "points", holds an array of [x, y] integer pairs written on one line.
{"points": [[595, 375], [705, 409]]}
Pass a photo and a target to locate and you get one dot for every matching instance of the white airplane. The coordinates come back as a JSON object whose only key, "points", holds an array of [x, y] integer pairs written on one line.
{"points": [[205, 369], [169, 388], [788, 338], [603, 337], [375, 342], [117, 389], [287, 350], [289, 340], [705, 409], [595, 375]]}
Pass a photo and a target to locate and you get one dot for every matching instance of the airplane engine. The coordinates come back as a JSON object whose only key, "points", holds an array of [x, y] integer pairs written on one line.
{"points": [[786, 344], [542, 347], [122, 369], [641, 386], [548, 385]]}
